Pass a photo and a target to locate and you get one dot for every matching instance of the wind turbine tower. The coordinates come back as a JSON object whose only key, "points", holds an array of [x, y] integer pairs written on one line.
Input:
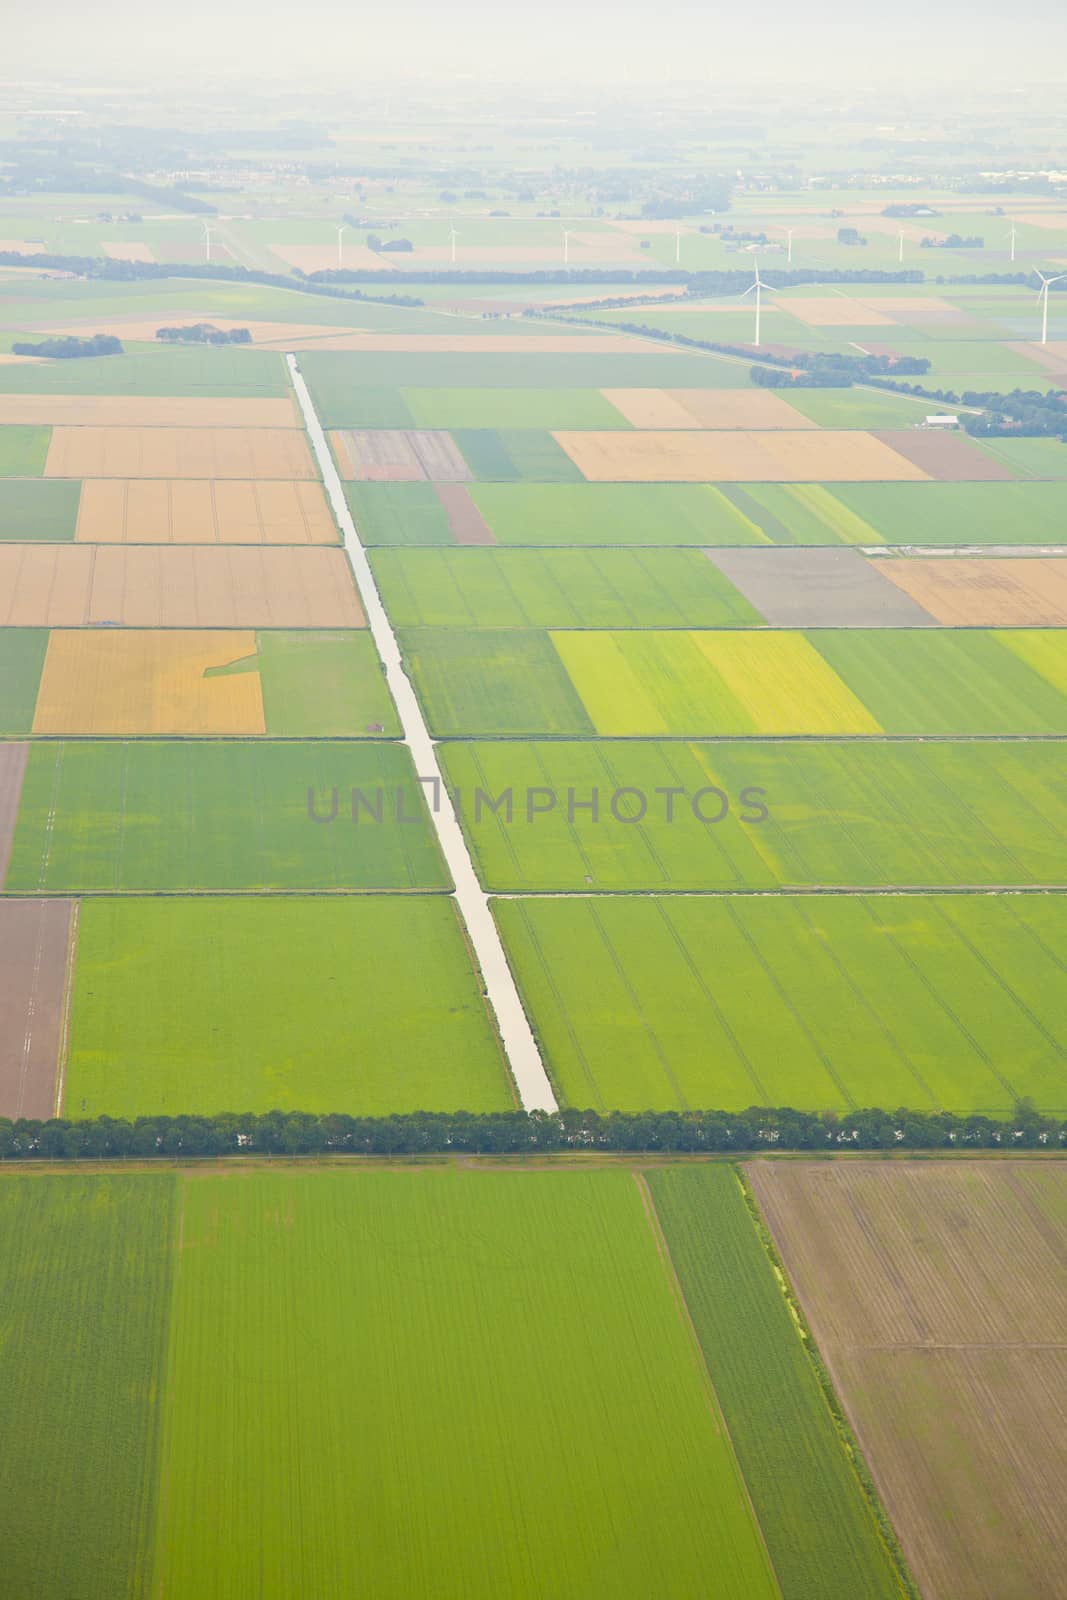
{"points": [[1046, 285], [758, 285]]}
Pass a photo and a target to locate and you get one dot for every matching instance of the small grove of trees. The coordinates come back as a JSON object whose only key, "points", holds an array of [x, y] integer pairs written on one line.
{"points": [[954, 241], [295, 1133], [204, 333], [69, 348]]}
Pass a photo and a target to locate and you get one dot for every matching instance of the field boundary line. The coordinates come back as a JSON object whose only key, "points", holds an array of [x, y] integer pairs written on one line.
{"points": [[663, 1249], [68, 1006], [472, 901]]}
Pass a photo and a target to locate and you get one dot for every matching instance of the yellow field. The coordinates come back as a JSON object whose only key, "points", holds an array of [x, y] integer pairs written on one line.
{"points": [[705, 408], [985, 592], [96, 411], [833, 311], [191, 511], [147, 682], [162, 452], [784, 684], [814, 455]]}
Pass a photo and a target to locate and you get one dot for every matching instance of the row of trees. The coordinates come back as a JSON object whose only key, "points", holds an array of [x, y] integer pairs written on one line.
{"points": [[519, 1132], [203, 333], [70, 348]]}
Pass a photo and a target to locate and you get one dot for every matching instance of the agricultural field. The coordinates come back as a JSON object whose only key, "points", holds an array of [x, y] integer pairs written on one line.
{"points": [[35, 508], [599, 588], [647, 684], [211, 1005], [23, 451], [616, 815], [214, 681], [820, 1002], [190, 815], [953, 1386]]}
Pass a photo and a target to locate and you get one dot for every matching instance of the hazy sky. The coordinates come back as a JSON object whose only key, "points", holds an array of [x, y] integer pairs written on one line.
{"points": [[984, 42]]}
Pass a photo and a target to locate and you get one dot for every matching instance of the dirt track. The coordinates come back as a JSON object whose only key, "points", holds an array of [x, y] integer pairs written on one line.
{"points": [[34, 951]]}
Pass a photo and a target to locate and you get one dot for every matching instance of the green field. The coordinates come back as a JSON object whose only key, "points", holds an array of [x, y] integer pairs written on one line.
{"points": [[492, 682], [207, 1005], [856, 408], [318, 684], [23, 450], [648, 683], [1030, 458], [398, 513], [333, 376], [38, 508], [512, 408], [84, 1294], [821, 1534], [439, 1383], [22, 653], [958, 513], [829, 1001], [596, 588], [195, 370], [859, 813], [190, 814], [514, 455]]}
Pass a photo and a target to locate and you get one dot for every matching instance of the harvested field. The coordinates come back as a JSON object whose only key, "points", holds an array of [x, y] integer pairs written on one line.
{"points": [[814, 455], [1052, 355], [34, 960], [705, 408], [122, 250], [465, 521], [984, 592], [140, 411], [13, 758], [938, 1298], [832, 311], [148, 682], [192, 511], [395, 455], [72, 585], [949, 457], [163, 452], [831, 587]]}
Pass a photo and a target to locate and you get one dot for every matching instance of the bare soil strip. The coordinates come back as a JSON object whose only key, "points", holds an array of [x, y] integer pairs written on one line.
{"points": [[937, 1293], [13, 758], [464, 519], [821, 588], [34, 946], [949, 457]]}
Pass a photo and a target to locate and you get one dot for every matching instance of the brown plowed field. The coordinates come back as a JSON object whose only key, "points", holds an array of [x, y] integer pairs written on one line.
{"points": [[464, 519], [937, 1293], [139, 411], [949, 457], [192, 511], [13, 758], [34, 959], [816, 455], [705, 408], [96, 681], [986, 592], [176, 586], [162, 452], [399, 455]]}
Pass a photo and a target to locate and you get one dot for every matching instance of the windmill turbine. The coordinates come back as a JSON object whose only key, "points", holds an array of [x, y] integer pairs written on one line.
{"points": [[341, 226], [453, 236], [677, 244], [207, 241], [566, 246], [1046, 285], [900, 243], [759, 286], [789, 246], [1012, 257]]}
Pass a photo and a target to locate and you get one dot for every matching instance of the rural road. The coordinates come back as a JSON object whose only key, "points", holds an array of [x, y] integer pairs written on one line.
{"points": [[524, 1058]]}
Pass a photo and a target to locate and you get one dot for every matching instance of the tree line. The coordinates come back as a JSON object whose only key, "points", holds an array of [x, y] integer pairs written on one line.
{"points": [[70, 348], [295, 1133]]}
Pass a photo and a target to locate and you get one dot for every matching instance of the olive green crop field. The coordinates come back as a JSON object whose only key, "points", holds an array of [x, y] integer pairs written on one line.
{"points": [[618, 815], [822, 1002], [193, 814]]}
